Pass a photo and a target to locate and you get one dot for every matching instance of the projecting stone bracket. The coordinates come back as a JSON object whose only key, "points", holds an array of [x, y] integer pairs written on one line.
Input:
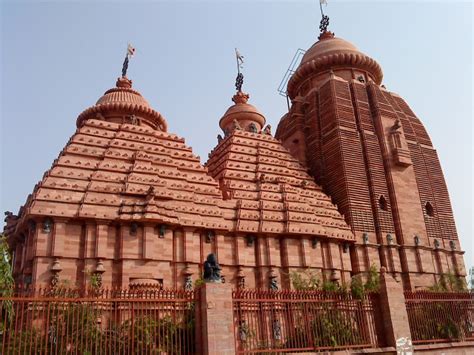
{"points": [[402, 157]]}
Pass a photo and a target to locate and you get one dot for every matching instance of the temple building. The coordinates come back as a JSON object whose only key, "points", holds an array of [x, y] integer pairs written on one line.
{"points": [[349, 180]]}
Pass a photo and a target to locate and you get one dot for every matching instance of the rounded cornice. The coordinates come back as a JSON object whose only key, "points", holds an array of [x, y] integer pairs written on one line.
{"points": [[123, 100], [332, 53]]}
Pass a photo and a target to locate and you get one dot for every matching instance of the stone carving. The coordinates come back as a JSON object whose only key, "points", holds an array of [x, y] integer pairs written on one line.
{"points": [[396, 126], [452, 244], [188, 283], [276, 329], [133, 120], [273, 283], [219, 138], [389, 239], [241, 284], [212, 271], [253, 128], [47, 225], [243, 331], [365, 238], [237, 125], [267, 130]]}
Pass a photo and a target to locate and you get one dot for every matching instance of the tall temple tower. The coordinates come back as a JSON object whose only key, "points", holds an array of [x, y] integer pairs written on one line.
{"points": [[372, 155]]}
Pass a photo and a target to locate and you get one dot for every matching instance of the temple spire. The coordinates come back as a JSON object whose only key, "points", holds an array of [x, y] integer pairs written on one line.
{"points": [[130, 53], [239, 81]]}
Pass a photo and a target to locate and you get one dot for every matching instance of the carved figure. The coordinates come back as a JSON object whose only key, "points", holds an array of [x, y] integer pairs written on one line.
{"points": [[273, 283], [237, 126], [253, 128], [212, 271], [268, 130], [133, 120], [276, 329], [188, 283]]}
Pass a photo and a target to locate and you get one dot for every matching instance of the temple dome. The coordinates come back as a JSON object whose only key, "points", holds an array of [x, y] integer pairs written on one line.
{"points": [[242, 113], [124, 105], [332, 53], [328, 45]]}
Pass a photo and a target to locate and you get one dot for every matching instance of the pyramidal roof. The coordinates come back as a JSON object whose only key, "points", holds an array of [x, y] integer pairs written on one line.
{"points": [[121, 164], [121, 171], [274, 193]]}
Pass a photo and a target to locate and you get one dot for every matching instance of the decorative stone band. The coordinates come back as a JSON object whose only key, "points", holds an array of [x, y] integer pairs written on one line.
{"points": [[154, 118], [333, 61]]}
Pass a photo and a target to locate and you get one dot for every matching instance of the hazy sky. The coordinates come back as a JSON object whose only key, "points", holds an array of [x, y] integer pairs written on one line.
{"points": [[57, 59]]}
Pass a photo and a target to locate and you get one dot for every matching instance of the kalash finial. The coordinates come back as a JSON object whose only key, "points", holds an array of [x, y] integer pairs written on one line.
{"points": [[130, 53], [239, 81], [323, 25]]}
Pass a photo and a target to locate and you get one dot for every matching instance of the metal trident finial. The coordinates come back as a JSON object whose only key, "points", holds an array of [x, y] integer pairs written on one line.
{"points": [[239, 81], [323, 25]]}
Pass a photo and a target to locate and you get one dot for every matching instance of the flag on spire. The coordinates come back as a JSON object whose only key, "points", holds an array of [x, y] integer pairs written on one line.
{"points": [[130, 53], [240, 58], [130, 50]]}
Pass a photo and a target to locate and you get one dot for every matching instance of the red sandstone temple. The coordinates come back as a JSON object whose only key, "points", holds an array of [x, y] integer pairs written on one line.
{"points": [[350, 180]]}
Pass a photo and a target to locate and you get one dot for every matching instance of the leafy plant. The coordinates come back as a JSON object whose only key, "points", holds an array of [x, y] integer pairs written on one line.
{"points": [[305, 281], [449, 282], [359, 288]]}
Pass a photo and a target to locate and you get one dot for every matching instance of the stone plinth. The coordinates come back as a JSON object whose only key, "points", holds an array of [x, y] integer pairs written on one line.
{"points": [[217, 329]]}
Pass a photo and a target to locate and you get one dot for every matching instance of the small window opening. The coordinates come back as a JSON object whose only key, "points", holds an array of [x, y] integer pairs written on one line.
{"points": [[429, 209], [296, 141], [383, 203]]}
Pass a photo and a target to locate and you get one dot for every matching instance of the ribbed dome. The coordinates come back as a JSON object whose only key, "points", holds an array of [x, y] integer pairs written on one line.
{"points": [[242, 113], [330, 53], [123, 100], [123, 95], [327, 46]]}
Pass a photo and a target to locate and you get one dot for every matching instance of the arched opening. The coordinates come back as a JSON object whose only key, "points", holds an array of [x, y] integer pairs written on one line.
{"points": [[383, 203]]}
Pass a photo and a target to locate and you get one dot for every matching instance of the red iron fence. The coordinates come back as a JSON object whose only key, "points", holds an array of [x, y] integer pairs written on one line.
{"points": [[299, 321], [436, 317], [68, 321]]}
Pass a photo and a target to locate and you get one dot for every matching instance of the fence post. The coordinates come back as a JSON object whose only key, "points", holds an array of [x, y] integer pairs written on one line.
{"points": [[216, 319], [393, 309]]}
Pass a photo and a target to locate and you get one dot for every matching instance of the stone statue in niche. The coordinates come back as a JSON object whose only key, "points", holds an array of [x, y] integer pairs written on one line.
{"points": [[237, 126], [133, 120], [396, 126], [273, 283], [212, 271], [253, 128], [268, 130]]}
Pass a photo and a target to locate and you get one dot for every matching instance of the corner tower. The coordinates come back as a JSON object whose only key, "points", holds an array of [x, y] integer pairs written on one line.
{"points": [[372, 155]]}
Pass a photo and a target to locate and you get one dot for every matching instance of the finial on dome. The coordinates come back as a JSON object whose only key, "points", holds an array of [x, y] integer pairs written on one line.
{"points": [[323, 25], [239, 81], [124, 82], [240, 97], [130, 53]]}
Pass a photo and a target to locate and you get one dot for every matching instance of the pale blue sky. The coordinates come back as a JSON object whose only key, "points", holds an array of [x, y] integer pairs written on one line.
{"points": [[59, 57]]}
